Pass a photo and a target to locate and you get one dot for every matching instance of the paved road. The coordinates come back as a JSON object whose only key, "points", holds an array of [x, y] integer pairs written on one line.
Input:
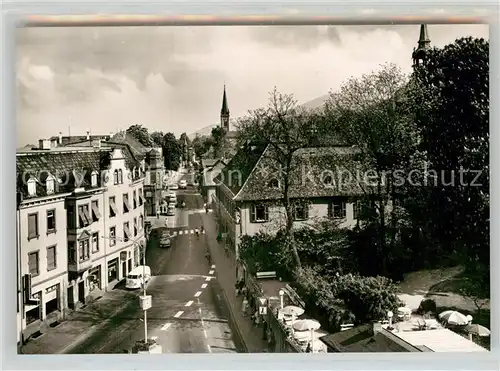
{"points": [[189, 314]]}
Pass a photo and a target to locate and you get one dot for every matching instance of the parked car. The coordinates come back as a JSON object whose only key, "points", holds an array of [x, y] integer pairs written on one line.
{"points": [[138, 276], [165, 241], [173, 186], [183, 184], [170, 210]]}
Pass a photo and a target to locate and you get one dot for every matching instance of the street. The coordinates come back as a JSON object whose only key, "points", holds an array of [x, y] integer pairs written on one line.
{"points": [[189, 314]]}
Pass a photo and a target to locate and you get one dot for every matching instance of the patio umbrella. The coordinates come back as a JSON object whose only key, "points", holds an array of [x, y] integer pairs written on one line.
{"points": [[452, 317], [478, 330], [292, 310], [306, 324]]}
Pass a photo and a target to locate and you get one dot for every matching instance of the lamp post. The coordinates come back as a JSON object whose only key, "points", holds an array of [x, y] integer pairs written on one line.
{"points": [[282, 293], [389, 316]]}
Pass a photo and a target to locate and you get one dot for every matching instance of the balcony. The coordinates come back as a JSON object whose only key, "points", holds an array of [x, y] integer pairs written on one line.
{"points": [[79, 267]]}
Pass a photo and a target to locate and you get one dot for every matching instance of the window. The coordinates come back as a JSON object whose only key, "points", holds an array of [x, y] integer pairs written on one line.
{"points": [[50, 184], [32, 226], [135, 227], [356, 209], [337, 209], [126, 204], [112, 207], [82, 216], [93, 179], [51, 221], [115, 177], [83, 250], [71, 252], [71, 217], [274, 183], [126, 232], [120, 176], [301, 211], [141, 222], [51, 258], [328, 180], [141, 197], [95, 211], [134, 199], [95, 242], [112, 236], [259, 213], [32, 187], [33, 263]]}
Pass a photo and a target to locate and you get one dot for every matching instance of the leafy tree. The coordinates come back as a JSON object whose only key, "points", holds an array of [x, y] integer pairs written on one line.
{"points": [[285, 127], [201, 145], [141, 134], [453, 116], [373, 114], [157, 138], [172, 152], [220, 142]]}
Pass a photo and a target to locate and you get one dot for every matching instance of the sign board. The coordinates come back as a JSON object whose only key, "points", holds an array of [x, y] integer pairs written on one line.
{"points": [[146, 302], [263, 310], [262, 301]]}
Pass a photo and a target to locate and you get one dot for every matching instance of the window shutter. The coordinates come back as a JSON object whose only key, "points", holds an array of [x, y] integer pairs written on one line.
{"points": [[253, 214]]}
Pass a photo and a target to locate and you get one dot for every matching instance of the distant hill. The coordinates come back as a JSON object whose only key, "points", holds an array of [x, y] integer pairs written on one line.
{"points": [[313, 104]]}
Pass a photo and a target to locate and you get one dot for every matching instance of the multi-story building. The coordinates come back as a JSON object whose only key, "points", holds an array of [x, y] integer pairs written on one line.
{"points": [[80, 221], [249, 192], [153, 184]]}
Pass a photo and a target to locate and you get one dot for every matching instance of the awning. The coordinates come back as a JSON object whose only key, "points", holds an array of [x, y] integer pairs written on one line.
{"points": [[87, 215], [126, 229], [83, 217], [126, 202], [95, 209], [113, 207]]}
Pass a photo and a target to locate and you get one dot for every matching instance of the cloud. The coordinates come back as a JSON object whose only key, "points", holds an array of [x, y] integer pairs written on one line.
{"points": [[171, 78]]}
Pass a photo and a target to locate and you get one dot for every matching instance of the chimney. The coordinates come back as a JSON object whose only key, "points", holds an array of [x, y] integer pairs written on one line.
{"points": [[377, 327], [44, 144], [88, 135], [60, 138]]}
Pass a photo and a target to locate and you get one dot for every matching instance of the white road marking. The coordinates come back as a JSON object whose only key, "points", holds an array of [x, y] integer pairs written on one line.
{"points": [[192, 231], [205, 333], [204, 286], [178, 314], [189, 303], [166, 326], [154, 338], [175, 233], [211, 272], [208, 278], [198, 293], [213, 266]]}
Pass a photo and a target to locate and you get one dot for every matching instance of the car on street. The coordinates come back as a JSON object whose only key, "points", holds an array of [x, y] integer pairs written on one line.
{"points": [[173, 186], [165, 241], [183, 184], [170, 210], [138, 276]]}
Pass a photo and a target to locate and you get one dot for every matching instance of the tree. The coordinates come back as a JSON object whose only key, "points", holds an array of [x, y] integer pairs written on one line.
{"points": [[373, 114], [201, 145], [220, 142], [141, 134], [157, 138], [453, 116], [284, 127], [172, 152]]}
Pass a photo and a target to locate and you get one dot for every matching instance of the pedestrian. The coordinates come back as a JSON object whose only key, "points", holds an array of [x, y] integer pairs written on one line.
{"points": [[244, 306], [308, 349]]}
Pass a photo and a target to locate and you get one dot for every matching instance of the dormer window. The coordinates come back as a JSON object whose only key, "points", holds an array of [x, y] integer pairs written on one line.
{"points": [[32, 187], [328, 180], [120, 176], [50, 184], [93, 179], [115, 177], [274, 183]]}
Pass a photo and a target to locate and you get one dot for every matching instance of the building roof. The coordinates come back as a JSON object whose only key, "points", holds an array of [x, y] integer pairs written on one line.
{"points": [[137, 148], [225, 108], [78, 138], [131, 158], [364, 339], [249, 173], [440, 340]]}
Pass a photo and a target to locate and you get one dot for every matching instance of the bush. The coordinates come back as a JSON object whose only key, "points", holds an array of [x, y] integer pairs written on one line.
{"points": [[426, 306]]}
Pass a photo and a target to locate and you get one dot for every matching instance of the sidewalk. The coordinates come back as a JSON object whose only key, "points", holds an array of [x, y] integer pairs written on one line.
{"points": [[79, 325], [251, 335]]}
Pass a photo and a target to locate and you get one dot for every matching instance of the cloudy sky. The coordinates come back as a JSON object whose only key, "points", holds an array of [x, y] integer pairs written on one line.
{"points": [[171, 78]]}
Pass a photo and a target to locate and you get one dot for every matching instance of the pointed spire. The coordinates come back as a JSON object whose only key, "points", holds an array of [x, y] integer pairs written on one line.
{"points": [[225, 108], [423, 41]]}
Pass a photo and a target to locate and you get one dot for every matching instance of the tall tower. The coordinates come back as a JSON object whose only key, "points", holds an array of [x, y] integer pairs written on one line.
{"points": [[420, 53], [224, 112]]}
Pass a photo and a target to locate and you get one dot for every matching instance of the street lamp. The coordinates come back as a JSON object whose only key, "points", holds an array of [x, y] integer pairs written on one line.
{"points": [[390, 315], [282, 293]]}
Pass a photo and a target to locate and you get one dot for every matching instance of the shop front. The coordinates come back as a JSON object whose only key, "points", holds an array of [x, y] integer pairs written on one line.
{"points": [[112, 271], [94, 279], [123, 260]]}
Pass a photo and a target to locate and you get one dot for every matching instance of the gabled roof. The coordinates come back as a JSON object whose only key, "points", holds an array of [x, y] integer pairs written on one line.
{"points": [[311, 168], [137, 148], [363, 339], [131, 159]]}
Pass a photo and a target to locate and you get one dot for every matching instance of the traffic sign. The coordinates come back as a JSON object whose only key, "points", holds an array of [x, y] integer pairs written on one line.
{"points": [[262, 300], [263, 310], [146, 302]]}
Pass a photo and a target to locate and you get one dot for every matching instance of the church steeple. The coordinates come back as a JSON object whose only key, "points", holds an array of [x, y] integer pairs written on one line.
{"points": [[224, 112], [420, 53]]}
